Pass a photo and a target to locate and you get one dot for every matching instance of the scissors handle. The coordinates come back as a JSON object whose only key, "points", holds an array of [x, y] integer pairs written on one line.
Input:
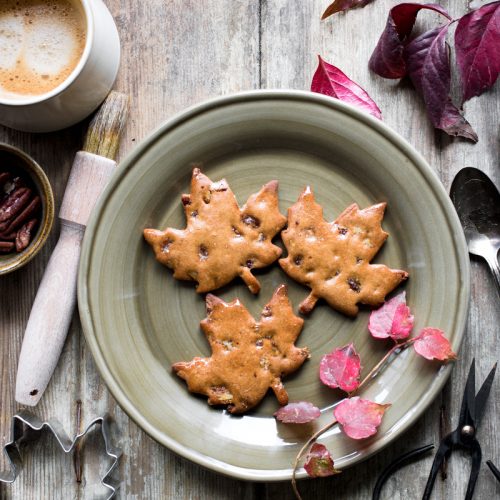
{"points": [[444, 451], [394, 466], [476, 465]]}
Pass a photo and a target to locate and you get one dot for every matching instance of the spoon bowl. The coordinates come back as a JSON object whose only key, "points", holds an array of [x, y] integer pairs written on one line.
{"points": [[477, 202]]}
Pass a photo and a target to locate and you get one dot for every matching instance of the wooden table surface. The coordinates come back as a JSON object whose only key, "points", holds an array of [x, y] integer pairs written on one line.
{"points": [[176, 53]]}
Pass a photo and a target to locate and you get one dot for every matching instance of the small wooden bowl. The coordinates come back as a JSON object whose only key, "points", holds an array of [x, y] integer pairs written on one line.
{"points": [[13, 159]]}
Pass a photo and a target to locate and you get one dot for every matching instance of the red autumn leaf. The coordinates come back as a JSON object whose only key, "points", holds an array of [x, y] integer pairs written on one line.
{"points": [[341, 368], [358, 417], [477, 46], [393, 320], [319, 462], [342, 6], [301, 412], [429, 69], [329, 80], [432, 344], [388, 58]]}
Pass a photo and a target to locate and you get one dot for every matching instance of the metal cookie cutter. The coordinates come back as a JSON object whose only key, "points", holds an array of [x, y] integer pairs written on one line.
{"points": [[26, 427]]}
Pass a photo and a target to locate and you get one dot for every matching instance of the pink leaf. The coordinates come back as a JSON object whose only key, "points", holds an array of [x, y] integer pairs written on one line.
{"points": [[402, 323], [388, 58], [358, 417], [330, 81], [343, 5], [429, 69], [432, 344], [301, 412], [319, 462], [341, 369], [392, 320], [477, 45]]}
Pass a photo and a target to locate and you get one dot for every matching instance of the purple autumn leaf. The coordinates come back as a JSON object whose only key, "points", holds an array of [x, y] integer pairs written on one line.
{"points": [[331, 81], [343, 5], [301, 412], [429, 69], [388, 58], [477, 46]]}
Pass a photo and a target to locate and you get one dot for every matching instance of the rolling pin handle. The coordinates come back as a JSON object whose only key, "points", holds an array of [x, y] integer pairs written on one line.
{"points": [[50, 317]]}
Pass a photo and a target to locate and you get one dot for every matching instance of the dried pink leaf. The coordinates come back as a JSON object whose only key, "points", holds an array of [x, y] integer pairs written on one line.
{"points": [[342, 6], [341, 368], [429, 69], [392, 320], [388, 58], [477, 47], [403, 322], [432, 344], [319, 462], [301, 412], [331, 81], [359, 418]]}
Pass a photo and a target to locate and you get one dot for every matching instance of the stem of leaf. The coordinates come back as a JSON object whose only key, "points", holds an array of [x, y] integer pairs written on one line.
{"points": [[311, 440], [397, 346]]}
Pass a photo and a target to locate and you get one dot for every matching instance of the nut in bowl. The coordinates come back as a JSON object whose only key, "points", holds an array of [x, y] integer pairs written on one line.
{"points": [[26, 208]]}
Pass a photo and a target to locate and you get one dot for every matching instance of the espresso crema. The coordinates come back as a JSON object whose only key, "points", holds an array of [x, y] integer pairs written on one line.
{"points": [[41, 43]]}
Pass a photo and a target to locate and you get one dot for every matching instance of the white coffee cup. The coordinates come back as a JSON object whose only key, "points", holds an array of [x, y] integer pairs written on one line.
{"points": [[85, 88]]}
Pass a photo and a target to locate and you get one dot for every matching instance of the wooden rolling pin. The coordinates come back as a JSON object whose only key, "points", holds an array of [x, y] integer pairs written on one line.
{"points": [[55, 301]]}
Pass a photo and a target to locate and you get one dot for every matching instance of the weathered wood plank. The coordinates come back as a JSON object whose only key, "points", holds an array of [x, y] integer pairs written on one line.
{"points": [[54, 152]]}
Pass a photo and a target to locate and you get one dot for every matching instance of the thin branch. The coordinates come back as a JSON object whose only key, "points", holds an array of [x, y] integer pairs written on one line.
{"points": [[401, 347], [311, 440]]}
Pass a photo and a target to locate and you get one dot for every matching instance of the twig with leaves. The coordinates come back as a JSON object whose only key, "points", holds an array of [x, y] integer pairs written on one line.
{"points": [[425, 60], [341, 369]]}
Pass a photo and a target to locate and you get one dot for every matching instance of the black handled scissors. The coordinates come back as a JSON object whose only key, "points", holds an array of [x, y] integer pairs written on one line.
{"points": [[464, 436]]}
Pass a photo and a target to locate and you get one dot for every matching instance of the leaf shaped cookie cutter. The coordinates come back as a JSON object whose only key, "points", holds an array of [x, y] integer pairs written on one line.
{"points": [[27, 427]]}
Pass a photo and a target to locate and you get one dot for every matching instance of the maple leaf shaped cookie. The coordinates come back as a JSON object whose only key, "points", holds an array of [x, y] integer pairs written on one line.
{"points": [[333, 259], [221, 241], [248, 357]]}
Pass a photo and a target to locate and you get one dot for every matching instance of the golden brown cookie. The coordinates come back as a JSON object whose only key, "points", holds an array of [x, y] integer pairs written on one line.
{"points": [[248, 357], [333, 259], [221, 241]]}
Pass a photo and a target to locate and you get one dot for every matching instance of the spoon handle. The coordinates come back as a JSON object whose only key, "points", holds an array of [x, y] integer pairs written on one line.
{"points": [[492, 259]]}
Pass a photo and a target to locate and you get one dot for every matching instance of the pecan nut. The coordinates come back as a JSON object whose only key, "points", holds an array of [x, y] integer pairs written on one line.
{"points": [[14, 203], [23, 236]]}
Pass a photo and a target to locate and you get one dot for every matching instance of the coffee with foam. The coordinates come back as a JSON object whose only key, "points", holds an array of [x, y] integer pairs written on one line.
{"points": [[41, 43]]}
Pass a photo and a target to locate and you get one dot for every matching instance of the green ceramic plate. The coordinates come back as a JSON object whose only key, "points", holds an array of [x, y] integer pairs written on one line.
{"points": [[138, 320]]}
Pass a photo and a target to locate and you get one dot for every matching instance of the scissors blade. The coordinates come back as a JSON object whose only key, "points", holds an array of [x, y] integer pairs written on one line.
{"points": [[482, 396], [467, 413]]}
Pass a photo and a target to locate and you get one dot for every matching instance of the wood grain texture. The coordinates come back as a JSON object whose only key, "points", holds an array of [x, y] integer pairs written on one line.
{"points": [[176, 53]]}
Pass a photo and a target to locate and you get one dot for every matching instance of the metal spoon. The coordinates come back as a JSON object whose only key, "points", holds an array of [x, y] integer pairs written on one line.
{"points": [[477, 202]]}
